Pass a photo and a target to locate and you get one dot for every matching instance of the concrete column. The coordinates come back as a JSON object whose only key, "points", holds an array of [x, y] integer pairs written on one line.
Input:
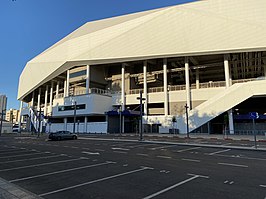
{"points": [[187, 83], [85, 123], [32, 99], [231, 121], [123, 87], [165, 87], [228, 84], [67, 84], [145, 88], [45, 100], [197, 78], [88, 80], [264, 67], [65, 124], [57, 88], [20, 116], [39, 99], [51, 98], [226, 71], [65, 88]]}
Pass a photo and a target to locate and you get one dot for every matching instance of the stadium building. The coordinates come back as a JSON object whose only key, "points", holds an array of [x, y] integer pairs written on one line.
{"points": [[206, 59]]}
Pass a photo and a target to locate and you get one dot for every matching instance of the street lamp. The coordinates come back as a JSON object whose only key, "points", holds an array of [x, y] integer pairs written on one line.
{"points": [[140, 98], [75, 113], [78, 127], [186, 107]]}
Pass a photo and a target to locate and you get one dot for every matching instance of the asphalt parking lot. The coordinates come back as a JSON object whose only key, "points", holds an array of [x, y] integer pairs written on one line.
{"points": [[95, 168]]}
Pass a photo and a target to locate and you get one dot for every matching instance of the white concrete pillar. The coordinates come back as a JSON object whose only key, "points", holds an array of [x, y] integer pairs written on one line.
{"points": [[165, 87], [88, 80], [51, 98], [65, 124], [226, 71], [67, 84], [86, 123], [32, 100], [145, 87], [65, 88], [45, 101], [231, 121], [197, 78], [123, 87], [20, 116], [187, 83], [57, 89], [228, 83], [39, 99]]}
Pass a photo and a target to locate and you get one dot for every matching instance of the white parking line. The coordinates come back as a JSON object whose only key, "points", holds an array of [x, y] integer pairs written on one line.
{"points": [[123, 149], [45, 157], [62, 171], [91, 153], [142, 154], [174, 186], [140, 145], [217, 152], [248, 158], [234, 165], [189, 149], [190, 160], [95, 181], [162, 147], [14, 156], [165, 157], [43, 164], [262, 185], [10, 150], [122, 152]]}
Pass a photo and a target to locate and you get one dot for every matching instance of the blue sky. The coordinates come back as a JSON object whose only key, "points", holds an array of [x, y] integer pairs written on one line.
{"points": [[28, 27]]}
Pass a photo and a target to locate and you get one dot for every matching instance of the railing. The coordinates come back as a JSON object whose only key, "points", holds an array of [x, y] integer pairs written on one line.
{"points": [[209, 84], [60, 95]]}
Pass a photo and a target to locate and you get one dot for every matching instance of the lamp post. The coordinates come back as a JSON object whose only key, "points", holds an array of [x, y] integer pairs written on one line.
{"points": [[78, 127], [140, 98], [120, 118], [186, 107], [75, 113], [2, 117]]}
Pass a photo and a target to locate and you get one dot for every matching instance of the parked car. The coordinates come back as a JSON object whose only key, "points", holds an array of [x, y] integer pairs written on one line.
{"points": [[61, 135]]}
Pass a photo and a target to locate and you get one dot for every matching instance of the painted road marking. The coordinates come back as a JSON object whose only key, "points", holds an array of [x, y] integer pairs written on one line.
{"points": [[62, 171], [122, 152], [123, 149], [162, 147], [101, 150], [175, 185], [95, 181], [142, 154], [248, 158], [14, 156], [91, 153], [165, 157], [264, 186], [190, 160], [141, 145], [189, 149], [217, 152], [43, 164], [234, 165], [45, 157]]}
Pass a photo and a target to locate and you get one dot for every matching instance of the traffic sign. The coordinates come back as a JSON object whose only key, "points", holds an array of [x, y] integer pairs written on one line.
{"points": [[253, 115]]}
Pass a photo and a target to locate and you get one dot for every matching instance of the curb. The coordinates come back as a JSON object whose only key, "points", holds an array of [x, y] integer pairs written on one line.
{"points": [[12, 191]]}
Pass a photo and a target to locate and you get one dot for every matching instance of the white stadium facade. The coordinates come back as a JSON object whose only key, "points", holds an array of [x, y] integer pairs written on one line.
{"points": [[206, 58]]}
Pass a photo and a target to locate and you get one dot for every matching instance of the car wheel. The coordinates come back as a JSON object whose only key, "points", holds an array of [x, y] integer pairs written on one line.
{"points": [[59, 138], [74, 137]]}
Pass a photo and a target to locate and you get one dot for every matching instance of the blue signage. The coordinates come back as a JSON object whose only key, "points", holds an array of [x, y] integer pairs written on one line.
{"points": [[253, 115]]}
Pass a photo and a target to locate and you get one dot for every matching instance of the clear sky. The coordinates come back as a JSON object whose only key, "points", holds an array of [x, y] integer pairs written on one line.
{"points": [[28, 27]]}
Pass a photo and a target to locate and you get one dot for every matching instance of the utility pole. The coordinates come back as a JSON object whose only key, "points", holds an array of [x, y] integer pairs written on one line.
{"points": [[39, 118], [75, 113], [2, 117], [140, 98], [186, 107]]}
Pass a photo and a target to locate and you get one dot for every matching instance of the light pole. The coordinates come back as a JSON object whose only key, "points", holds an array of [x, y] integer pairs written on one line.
{"points": [[75, 113], [78, 127], [186, 107], [140, 98], [120, 118]]}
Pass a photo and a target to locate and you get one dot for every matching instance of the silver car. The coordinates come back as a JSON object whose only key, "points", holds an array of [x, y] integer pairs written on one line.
{"points": [[60, 135]]}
